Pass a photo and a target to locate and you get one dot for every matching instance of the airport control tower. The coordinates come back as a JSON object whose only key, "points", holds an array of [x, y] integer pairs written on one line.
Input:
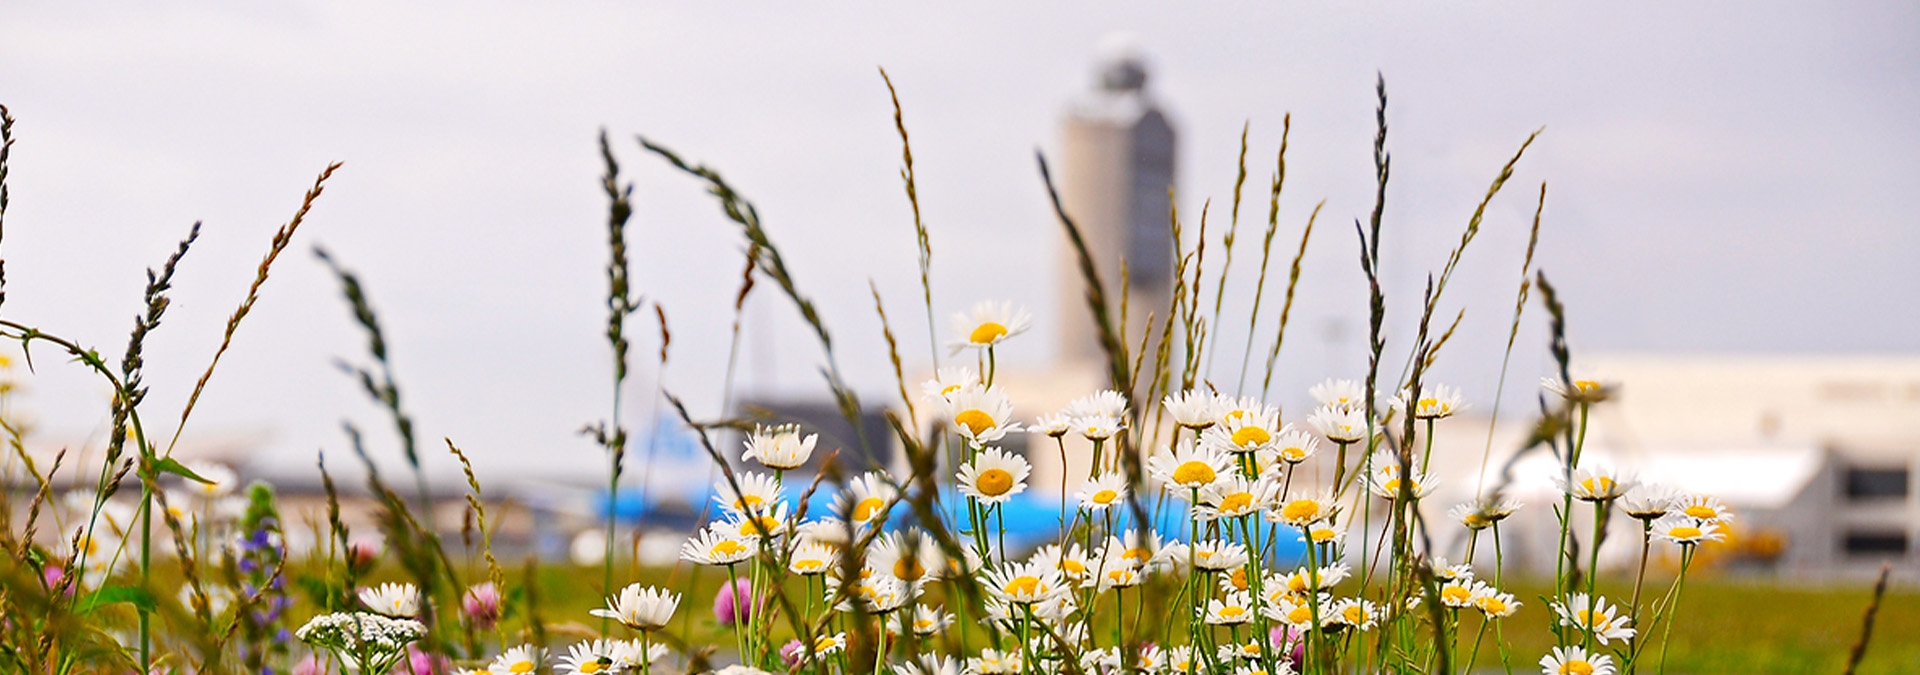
{"points": [[1117, 169]]}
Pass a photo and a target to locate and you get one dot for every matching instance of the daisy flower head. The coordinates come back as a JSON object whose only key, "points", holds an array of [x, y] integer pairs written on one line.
{"points": [[1052, 426], [1246, 425], [592, 657], [1215, 555], [1385, 481], [716, 545], [1234, 496], [994, 662], [1073, 563], [758, 492], [1702, 508], [1340, 425], [1100, 661], [1647, 502], [1595, 484], [1438, 402], [1339, 394], [867, 499], [1025, 583], [1687, 531], [1324, 532], [981, 415], [1305, 510], [1596, 616], [988, 324], [946, 381], [521, 660], [1352, 613], [641, 607], [1446, 572], [1580, 390], [400, 601], [826, 531], [1458, 592], [812, 558], [1135, 548], [1575, 661], [1298, 612], [911, 557], [1103, 491], [1107, 403], [1483, 513], [1099, 428], [884, 593], [829, 644], [1193, 408], [633, 655], [220, 480], [1322, 578], [1190, 465], [1294, 446], [765, 522], [1236, 609], [1492, 602], [994, 476], [926, 620], [780, 447], [1113, 575]]}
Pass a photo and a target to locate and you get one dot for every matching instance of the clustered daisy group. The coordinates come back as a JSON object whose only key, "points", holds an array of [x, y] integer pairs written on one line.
{"points": [[1110, 594]]}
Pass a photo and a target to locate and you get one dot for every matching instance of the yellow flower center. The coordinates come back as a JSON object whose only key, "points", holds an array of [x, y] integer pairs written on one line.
{"points": [[976, 421], [746, 502], [1477, 520], [1576, 667], [1232, 612], [728, 547], [1251, 435], [922, 625], [1323, 534], [1684, 532], [823, 644], [762, 525], [591, 667], [1105, 497], [1354, 615], [1236, 502], [1587, 386], [1139, 554], [1300, 509], [1455, 594], [1300, 615], [1492, 605], [520, 667], [1119, 576], [1598, 485], [867, 509], [1193, 473], [1072, 567], [1022, 586], [986, 333], [1293, 454], [1702, 512], [809, 565], [1238, 579], [1297, 582], [1429, 403], [993, 482], [908, 569], [949, 389]]}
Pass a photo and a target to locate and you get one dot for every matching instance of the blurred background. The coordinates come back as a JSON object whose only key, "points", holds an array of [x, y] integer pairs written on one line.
{"points": [[1730, 186]]}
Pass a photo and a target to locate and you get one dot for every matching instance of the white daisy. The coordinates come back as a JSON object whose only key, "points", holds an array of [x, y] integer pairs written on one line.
{"points": [[1236, 609], [400, 601], [829, 644], [1582, 390], [925, 620], [781, 447], [1493, 603], [1575, 661], [1072, 562], [988, 324], [994, 662], [758, 492], [1687, 531], [641, 607], [1481, 514], [220, 480], [1099, 427], [716, 545], [1216, 556], [1245, 429], [867, 499], [1595, 484], [1595, 616], [1323, 532], [912, 557], [1104, 403], [1648, 501], [812, 558], [1384, 481], [994, 476], [632, 655], [766, 523], [1234, 496], [593, 657], [1436, 402], [1294, 446], [1703, 508], [1305, 510], [1352, 613], [1025, 583], [981, 415], [1340, 425], [1190, 465], [948, 380], [1340, 394], [1051, 426], [521, 660], [1193, 408], [1103, 491]]}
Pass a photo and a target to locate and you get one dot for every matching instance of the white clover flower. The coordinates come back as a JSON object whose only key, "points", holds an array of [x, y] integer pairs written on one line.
{"points": [[394, 600], [988, 324], [641, 607], [781, 447]]}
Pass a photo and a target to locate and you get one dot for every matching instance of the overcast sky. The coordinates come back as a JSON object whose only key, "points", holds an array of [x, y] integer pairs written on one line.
{"points": [[1722, 178]]}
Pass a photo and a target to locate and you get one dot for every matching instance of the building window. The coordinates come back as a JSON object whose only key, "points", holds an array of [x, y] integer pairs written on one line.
{"points": [[1865, 483], [1876, 543]]}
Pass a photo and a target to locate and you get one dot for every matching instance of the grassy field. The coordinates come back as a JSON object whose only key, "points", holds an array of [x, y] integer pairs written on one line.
{"points": [[1727, 626]]}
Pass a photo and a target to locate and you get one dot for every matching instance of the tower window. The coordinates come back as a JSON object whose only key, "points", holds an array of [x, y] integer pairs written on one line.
{"points": [[1872, 483]]}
